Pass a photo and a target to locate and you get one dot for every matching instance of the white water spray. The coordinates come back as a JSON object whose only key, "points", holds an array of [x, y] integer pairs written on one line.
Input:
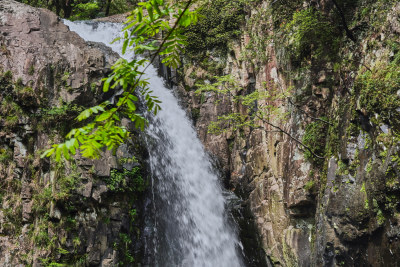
{"points": [[191, 226]]}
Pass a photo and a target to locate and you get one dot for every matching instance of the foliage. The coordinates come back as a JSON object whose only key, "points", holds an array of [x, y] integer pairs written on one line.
{"points": [[310, 186], [126, 180], [66, 111], [390, 154], [66, 184], [257, 43], [309, 33], [120, 6], [85, 11], [219, 22], [123, 246], [195, 114], [10, 111], [378, 89], [31, 70], [42, 200], [315, 137], [104, 128], [282, 11], [260, 105]]}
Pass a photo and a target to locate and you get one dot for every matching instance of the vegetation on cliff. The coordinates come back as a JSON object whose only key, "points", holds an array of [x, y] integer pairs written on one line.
{"points": [[319, 80], [338, 61], [83, 9], [105, 128]]}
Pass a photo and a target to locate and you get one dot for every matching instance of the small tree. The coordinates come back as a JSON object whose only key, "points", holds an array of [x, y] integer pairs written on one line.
{"points": [[262, 107], [104, 128]]}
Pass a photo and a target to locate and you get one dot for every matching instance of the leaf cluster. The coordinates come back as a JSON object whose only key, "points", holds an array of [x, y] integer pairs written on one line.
{"points": [[104, 128], [83, 9], [126, 180], [379, 92], [315, 136], [310, 35], [145, 29], [259, 105], [219, 22]]}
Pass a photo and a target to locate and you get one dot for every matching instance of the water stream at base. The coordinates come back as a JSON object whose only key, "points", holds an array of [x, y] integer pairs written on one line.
{"points": [[190, 225]]}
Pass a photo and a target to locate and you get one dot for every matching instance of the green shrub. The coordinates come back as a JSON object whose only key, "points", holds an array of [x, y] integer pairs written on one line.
{"points": [[31, 70], [309, 33], [315, 138], [126, 181], [310, 186], [11, 121], [378, 91], [8, 75], [84, 11], [219, 22], [66, 184], [5, 155]]}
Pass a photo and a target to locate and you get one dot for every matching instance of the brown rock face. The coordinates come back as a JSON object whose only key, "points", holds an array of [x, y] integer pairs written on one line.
{"points": [[49, 212], [41, 51], [342, 212]]}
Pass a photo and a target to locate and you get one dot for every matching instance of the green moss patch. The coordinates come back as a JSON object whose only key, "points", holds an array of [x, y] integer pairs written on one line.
{"points": [[315, 138]]}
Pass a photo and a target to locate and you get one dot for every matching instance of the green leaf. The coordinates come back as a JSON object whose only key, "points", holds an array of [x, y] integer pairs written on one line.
{"points": [[58, 152], [106, 85], [150, 11], [84, 115], [131, 105], [124, 46], [157, 8], [48, 153], [104, 116], [66, 152], [140, 14]]}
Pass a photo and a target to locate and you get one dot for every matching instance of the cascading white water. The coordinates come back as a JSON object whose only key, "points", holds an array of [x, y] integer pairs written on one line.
{"points": [[191, 226]]}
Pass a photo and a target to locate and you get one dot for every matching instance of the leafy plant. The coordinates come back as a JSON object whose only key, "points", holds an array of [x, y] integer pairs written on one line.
{"points": [[87, 10], [5, 155], [31, 70], [378, 89], [219, 22], [125, 180], [309, 33], [315, 137], [104, 128], [261, 110]]}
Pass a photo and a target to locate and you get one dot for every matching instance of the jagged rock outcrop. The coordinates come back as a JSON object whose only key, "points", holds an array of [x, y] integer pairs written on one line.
{"points": [[80, 212], [343, 210]]}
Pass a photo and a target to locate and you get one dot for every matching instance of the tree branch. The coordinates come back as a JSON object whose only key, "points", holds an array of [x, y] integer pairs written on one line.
{"points": [[346, 28], [291, 136], [169, 33], [307, 114], [152, 58], [298, 107]]}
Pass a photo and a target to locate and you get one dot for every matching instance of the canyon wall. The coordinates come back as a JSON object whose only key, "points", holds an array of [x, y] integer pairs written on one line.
{"points": [[80, 212], [335, 203], [319, 176]]}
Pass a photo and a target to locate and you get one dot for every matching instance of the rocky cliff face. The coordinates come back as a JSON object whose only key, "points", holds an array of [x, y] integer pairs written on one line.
{"points": [[342, 210], [79, 212]]}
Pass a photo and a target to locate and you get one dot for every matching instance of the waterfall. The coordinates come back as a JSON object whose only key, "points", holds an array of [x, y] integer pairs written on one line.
{"points": [[191, 226]]}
